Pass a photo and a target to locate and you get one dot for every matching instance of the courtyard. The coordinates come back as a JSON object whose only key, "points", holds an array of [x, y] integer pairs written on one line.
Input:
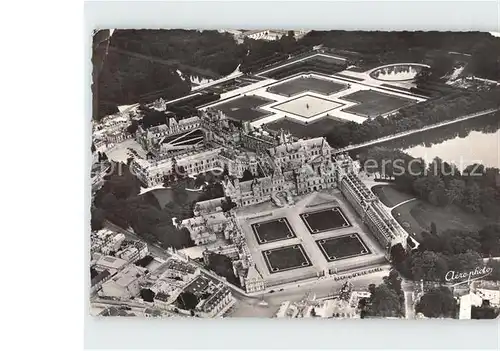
{"points": [[325, 220], [275, 230], [342, 247], [244, 108], [373, 103], [285, 247], [307, 106], [307, 83]]}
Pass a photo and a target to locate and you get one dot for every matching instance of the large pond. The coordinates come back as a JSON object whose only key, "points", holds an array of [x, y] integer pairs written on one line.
{"points": [[473, 141]]}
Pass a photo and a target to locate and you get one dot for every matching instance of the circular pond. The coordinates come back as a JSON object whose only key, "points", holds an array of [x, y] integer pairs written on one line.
{"points": [[397, 72]]}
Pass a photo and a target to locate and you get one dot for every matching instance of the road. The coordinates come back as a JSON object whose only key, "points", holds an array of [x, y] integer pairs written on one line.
{"points": [[414, 131], [153, 248], [251, 307], [408, 289]]}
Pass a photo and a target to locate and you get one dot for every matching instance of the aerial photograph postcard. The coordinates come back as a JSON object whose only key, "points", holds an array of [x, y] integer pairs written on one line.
{"points": [[293, 173]]}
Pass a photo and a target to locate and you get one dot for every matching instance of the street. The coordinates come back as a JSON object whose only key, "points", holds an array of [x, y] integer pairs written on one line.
{"points": [[408, 289], [249, 307]]}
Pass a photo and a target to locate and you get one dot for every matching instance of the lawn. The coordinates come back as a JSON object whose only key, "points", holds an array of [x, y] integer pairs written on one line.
{"points": [[317, 128], [302, 84], [342, 247], [417, 216], [245, 108], [390, 196], [275, 230], [325, 220], [373, 103], [164, 196], [286, 258]]}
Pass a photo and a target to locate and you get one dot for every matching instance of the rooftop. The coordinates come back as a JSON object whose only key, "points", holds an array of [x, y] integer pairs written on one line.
{"points": [[111, 262]]}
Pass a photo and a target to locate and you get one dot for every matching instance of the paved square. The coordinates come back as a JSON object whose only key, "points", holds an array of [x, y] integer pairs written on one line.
{"points": [[307, 106], [245, 108], [274, 230], [286, 258], [302, 84], [325, 220], [372, 103], [341, 247]]}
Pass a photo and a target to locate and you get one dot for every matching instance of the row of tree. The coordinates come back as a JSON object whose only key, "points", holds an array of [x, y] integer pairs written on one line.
{"points": [[414, 117], [475, 189]]}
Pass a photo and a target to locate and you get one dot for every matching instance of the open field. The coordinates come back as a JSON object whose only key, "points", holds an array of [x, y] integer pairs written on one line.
{"points": [[302, 84], [373, 103], [317, 128], [245, 108]]}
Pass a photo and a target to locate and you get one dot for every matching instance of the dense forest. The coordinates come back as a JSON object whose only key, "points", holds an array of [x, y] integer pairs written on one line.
{"points": [[135, 63]]}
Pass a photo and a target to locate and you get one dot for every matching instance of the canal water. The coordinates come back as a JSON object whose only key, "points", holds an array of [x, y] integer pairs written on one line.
{"points": [[473, 141]]}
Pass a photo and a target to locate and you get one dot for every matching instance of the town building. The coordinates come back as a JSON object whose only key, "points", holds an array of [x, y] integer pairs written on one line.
{"points": [[124, 284], [161, 139]]}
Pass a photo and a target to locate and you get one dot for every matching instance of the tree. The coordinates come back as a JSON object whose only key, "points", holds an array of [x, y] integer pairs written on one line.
{"points": [[92, 148], [484, 312], [393, 282], [313, 312], [436, 303], [227, 204], [97, 218], [200, 180], [132, 128], [147, 295], [471, 197], [465, 262], [455, 191], [489, 238], [385, 302], [459, 241], [247, 175], [187, 300], [371, 288], [93, 273], [433, 228], [428, 265], [223, 266]]}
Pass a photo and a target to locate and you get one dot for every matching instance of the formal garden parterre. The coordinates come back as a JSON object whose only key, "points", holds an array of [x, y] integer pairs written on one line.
{"points": [[273, 230], [286, 258], [342, 247], [325, 220]]}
